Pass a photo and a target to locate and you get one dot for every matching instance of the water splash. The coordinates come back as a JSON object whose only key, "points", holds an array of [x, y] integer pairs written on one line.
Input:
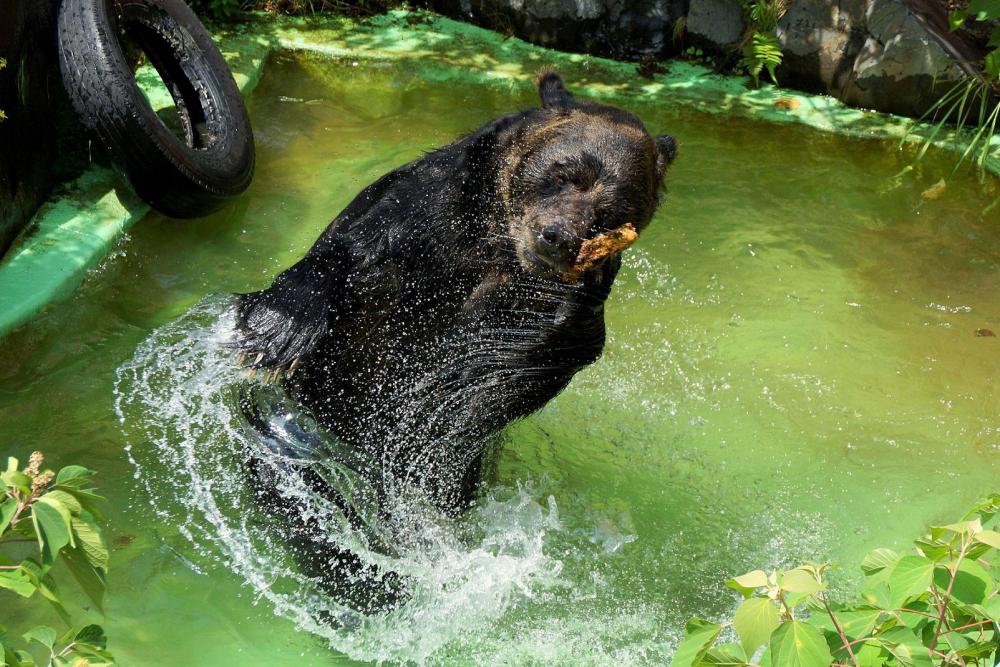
{"points": [[178, 401]]}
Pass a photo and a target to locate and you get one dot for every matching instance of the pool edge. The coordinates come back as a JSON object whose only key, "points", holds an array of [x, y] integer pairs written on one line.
{"points": [[76, 229]]}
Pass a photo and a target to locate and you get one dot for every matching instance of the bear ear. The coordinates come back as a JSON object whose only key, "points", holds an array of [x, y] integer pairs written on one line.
{"points": [[666, 153], [550, 88]]}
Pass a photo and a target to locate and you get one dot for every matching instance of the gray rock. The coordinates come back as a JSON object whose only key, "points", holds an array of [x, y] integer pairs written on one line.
{"points": [[869, 53], [716, 23], [623, 29], [820, 41], [874, 54], [899, 63]]}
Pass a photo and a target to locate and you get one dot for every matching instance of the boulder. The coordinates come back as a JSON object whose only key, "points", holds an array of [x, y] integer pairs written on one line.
{"points": [[900, 68], [874, 54], [623, 29], [890, 55], [716, 24]]}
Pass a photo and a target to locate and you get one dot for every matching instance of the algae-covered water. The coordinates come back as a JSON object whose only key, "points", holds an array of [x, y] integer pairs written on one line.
{"points": [[792, 372]]}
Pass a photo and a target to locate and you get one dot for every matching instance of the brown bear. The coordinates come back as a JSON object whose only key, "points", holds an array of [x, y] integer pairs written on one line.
{"points": [[435, 308]]}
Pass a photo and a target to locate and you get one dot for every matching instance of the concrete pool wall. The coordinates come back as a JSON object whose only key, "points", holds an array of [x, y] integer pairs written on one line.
{"points": [[73, 232]]}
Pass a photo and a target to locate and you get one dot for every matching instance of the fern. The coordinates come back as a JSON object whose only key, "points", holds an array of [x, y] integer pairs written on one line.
{"points": [[761, 49], [762, 52]]}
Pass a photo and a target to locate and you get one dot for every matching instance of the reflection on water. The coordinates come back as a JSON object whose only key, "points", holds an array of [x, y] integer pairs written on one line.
{"points": [[793, 371]]}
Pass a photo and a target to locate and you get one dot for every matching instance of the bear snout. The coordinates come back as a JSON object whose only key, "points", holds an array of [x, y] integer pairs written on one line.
{"points": [[557, 245]]}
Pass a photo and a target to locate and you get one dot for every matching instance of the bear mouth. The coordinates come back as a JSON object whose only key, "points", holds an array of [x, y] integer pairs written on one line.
{"points": [[538, 266]]}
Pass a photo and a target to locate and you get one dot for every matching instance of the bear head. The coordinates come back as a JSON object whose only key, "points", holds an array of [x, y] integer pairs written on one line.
{"points": [[576, 170]]}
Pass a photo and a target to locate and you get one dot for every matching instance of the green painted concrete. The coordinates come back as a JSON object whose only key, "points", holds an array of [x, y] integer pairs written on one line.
{"points": [[76, 229]]}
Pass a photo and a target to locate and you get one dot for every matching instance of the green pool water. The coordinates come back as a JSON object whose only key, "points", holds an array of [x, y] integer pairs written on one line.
{"points": [[792, 372]]}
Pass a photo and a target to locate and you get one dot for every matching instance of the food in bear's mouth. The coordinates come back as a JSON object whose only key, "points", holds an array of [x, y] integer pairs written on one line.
{"points": [[597, 249]]}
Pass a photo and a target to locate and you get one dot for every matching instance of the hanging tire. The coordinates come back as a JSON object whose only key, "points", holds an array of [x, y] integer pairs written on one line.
{"points": [[183, 177]]}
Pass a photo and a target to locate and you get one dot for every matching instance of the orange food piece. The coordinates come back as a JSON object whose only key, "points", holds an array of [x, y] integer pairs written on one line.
{"points": [[595, 250]]}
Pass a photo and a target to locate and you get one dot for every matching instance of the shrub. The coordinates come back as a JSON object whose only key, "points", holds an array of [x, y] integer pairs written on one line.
{"points": [[58, 513], [938, 605]]}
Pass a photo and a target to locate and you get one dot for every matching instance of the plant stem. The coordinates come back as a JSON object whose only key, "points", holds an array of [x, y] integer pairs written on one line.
{"points": [[784, 604], [840, 629], [943, 603], [970, 625]]}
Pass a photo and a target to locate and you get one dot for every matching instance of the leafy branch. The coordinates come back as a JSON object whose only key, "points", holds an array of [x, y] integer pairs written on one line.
{"points": [[58, 513], [937, 606]]}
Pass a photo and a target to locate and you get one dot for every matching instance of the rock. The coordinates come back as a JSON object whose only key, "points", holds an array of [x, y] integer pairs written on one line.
{"points": [[820, 41], [900, 68], [873, 54], [716, 23], [890, 55], [623, 29]]}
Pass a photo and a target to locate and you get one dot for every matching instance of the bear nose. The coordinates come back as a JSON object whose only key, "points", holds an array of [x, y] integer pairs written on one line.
{"points": [[556, 243]]}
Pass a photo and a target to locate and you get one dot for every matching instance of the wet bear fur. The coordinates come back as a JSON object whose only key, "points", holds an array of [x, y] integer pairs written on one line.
{"points": [[430, 313]]}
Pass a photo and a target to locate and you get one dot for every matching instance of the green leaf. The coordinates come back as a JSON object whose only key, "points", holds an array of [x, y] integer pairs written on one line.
{"points": [[748, 583], [856, 622], [956, 19], [754, 621], [916, 615], [87, 500], [984, 10], [800, 581], [65, 499], [42, 634], [91, 580], [52, 523], [93, 635], [17, 480], [935, 549], [978, 649], [8, 508], [989, 537], [73, 475], [992, 64], [725, 655], [871, 654], [698, 637], [878, 560], [17, 581], [905, 646], [90, 538], [957, 528], [993, 610], [972, 582], [43, 581], [911, 576], [798, 644], [995, 37], [876, 592]]}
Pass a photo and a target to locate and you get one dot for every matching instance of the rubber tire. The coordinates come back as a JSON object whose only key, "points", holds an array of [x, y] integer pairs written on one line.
{"points": [[181, 178]]}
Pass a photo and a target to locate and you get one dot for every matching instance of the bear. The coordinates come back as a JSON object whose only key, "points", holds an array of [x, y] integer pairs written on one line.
{"points": [[434, 310]]}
